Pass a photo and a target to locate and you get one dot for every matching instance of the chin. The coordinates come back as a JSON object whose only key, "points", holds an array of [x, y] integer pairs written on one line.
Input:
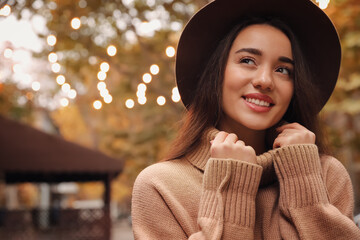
{"points": [[260, 126]]}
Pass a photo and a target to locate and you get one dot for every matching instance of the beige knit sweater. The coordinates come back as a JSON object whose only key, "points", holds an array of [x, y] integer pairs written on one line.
{"points": [[291, 194]]}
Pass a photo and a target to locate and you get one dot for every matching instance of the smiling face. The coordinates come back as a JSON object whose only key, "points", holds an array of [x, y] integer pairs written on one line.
{"points": [[258, 79]]}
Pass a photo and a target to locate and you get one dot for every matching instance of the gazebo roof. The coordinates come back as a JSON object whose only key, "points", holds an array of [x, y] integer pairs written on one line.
{"points": [[30, 155]]}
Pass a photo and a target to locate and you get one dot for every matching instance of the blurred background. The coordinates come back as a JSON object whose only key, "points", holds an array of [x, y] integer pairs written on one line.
{"points": [[100, 74]]}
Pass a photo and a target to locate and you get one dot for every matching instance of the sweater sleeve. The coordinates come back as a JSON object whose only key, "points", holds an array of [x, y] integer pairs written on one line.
{"points": [[227, 205], [316, 200], [226, 209]]}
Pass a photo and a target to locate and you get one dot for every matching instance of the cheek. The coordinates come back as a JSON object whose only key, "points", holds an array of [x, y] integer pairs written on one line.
{"points": [[288, 91]]}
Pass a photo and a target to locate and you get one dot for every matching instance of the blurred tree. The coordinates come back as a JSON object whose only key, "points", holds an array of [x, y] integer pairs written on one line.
{"points": [[342, 113], [141, 31]]}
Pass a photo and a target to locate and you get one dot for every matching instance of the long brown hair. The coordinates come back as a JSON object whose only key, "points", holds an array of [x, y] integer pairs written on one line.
{"points": [[205, 110]]}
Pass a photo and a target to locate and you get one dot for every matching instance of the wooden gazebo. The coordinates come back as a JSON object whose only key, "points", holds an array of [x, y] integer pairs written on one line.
{"points": [[30, 155]]}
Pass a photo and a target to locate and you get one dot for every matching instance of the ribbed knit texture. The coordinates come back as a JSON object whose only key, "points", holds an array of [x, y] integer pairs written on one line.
{"points": [[299, 172], [229, 191], [291, 193]]}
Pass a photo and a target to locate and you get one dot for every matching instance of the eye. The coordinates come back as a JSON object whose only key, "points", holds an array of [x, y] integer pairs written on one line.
{"points": [[247, 61], [284, 70]]}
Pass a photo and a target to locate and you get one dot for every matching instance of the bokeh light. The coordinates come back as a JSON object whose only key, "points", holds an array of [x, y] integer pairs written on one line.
{"points": [[141, 87], [72, 94], [147, 78], [60, 79], [108, 98], [175, 95], [53, 57], [65, 87], [170, 51], [161, 100], [5, 11], [142, 100], [111, 50], [101, 75], [64, 102], [35, 86], [101, 86], [154, 69], [104, 67], [97, 104], [75, 23], [129, 103], [55, 67], [51, 40]]}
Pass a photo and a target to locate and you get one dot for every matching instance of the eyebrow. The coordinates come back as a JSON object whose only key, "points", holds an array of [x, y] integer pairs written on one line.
{"points": [[259, 53]]}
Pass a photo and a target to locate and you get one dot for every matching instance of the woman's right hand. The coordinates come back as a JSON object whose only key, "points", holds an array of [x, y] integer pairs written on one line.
{"points": [[227, 145]]}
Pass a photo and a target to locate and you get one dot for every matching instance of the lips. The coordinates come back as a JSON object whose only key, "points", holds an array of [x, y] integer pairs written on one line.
{"points": [[259, 99], [258, 102]]}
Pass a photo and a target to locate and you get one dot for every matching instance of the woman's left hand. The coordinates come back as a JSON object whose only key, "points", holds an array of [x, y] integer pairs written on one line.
{"points": [[293, 133]]}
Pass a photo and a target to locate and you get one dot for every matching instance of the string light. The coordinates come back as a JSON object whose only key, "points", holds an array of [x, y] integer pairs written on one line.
{"points": [[111, 50], [175, 95], [75, 23], [97, 104], [154, 69], [53, 57], [104, 92], [101, 75], [108, 98], [129, 103], [35, 86], [142, 100], [147, 78], [5, 11], [72, 93], [60, 79], [323, 4], [65, 87], [55, 67], [64, 102], [170, 51], [104, 67], [101, 85], [141, 87], [161, 100], [51, 40]]}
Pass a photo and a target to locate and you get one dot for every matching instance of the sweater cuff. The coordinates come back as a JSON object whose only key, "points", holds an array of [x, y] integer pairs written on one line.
{"points": [[300, 176], [229, 191]]}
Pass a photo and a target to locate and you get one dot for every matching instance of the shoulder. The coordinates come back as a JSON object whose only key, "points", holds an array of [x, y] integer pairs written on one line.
{"points": [[337, 178], [332, 167], [166, 173], [338, 184]]}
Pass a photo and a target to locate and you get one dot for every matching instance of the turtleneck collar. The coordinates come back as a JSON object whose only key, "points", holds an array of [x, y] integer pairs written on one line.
{"points": [[201, 155]]}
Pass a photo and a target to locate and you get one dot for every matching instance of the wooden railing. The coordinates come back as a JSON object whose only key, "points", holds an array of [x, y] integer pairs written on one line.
{"points": [[55, 224]]}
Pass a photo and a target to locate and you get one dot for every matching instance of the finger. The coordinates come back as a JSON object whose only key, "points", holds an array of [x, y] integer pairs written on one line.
{"points": [[277, 143], [240, 143], [231, 138], [290, 126], [220, 137]]}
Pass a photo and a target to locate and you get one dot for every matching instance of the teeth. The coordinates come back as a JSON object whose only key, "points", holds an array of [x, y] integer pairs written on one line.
{"points": [[258, 102]]}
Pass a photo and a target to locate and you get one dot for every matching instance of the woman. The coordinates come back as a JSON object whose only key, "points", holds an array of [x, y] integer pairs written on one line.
{"points": [[250, 162]]}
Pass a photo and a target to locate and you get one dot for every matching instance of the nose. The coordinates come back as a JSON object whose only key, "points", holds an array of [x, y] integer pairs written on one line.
{"points": [[263, 79]]}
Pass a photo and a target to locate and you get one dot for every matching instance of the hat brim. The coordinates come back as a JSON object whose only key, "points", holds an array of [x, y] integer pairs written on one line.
{"points": [[314, 30]]}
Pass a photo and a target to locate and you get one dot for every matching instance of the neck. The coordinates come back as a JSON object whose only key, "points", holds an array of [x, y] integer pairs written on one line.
{"points": [[254, 138]]}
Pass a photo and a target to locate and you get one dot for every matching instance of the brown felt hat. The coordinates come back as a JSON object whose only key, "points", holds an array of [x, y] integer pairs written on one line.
{"points": [[314, 30]]}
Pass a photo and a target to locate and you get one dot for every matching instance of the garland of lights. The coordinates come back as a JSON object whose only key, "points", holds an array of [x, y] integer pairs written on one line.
{"points": [[102, 74], [104, 68]]}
